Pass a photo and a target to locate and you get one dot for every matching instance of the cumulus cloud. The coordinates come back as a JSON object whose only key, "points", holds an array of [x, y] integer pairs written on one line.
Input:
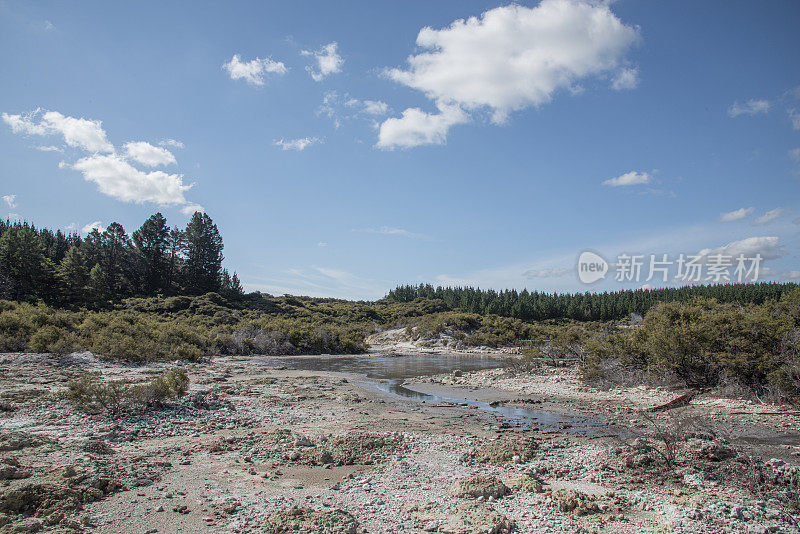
{"points": [[513, 57], [736, 215], [80, 133], [546, 273], [96, 225], [328, 61], [769, 216], [296, 144], [629, 178], [253, 71], [110, 169], [768, 247], [171, 142], [117, 178], [416, 127], [751, 107], [11, 200], [148, 155]]}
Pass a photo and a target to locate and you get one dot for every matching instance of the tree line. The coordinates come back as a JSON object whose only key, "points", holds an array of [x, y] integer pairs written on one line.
{"points": [[537, 306], [67, 269]]}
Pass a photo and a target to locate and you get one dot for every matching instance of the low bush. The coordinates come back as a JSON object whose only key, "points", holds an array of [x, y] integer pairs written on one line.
{"points": [[92, 394], [705, 343]]}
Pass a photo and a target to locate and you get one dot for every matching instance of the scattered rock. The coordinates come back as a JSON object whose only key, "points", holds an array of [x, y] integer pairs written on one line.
{"points": [[308, 521], [506, 450], [479, 486], [466, 518], [576, 502]]}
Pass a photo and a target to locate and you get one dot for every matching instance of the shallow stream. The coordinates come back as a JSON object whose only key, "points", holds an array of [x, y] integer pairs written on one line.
{"points": [[388, 373]]}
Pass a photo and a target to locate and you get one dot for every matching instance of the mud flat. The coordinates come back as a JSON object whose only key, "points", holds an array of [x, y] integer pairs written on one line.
{"points": [[259, 446]]}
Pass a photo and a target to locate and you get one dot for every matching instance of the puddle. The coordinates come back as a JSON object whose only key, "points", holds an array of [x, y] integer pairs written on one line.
{"points": [[387, 374]]}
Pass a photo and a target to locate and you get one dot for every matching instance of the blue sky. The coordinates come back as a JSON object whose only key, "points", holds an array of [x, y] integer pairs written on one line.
{"points": [[344, 148]]}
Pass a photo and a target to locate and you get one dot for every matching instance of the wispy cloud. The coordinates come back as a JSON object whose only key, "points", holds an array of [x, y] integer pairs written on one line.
{"points": [[629, 178], [388, 230], [751, 107], [11, 200], [553, 272], [48, 148], [736, 215], [171, 143], [296, 144], [769, 216], [319, 281]]}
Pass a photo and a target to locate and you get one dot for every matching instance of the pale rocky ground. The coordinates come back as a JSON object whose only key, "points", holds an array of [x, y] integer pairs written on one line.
{"points": [[249, 443]]}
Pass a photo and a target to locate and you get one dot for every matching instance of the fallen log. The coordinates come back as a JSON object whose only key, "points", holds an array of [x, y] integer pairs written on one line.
{"points": [[683, 400]]}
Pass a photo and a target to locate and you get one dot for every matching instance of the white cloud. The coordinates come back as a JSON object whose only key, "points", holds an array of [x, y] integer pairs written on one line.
{"points": [[81, 133], [191, 207], [11, 200], [387, 230], [751, 107], [117, 178], [553, 272], [297, 144], [48, 148], [416, 127], [629, 178], [626, 79], [49, 25], [112, 171], [322, 244], [768, 247], [795, 154], [253, 71], [148, 155], [513, 57], [375, 107], [769, 216], [328, 61], [736, 215], [96, 225], [171, 142]]}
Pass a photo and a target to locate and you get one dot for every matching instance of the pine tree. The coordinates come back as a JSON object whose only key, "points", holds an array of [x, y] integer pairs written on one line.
{"points": [[151, 241], [73, 276], [176, 250], [25, 269], [116, 247], [203, 254]]}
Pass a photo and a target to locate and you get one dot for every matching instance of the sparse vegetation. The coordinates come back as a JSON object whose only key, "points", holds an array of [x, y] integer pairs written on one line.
{"points": [[92, 394]]}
